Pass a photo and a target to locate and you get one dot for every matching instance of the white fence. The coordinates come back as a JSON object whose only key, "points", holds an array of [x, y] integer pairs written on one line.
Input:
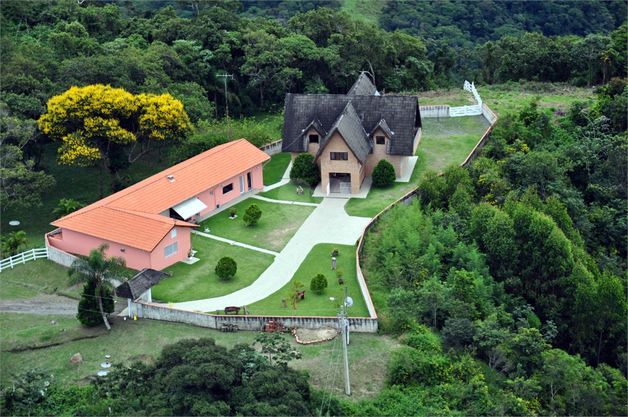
{"points": [[22, 258], [474, 110]]}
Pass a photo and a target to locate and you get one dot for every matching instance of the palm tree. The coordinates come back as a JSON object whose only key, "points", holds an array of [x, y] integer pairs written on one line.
{"points": [[100, 270], [12, 243]]}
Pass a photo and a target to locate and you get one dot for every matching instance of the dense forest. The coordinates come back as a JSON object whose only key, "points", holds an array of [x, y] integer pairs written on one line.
{"points": [[145, 48], [504, 280]]}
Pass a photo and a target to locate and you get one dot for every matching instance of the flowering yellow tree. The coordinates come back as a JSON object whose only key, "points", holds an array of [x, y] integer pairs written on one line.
{"points": [[101, 124]]}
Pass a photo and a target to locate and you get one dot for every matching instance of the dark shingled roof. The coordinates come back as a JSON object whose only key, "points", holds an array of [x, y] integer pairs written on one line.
{"points": [[363, 87], [401, 114], [349, 126], [140, 283]]}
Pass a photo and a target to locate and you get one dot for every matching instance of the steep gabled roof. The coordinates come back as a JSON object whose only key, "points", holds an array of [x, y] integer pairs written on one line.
{"points": [[401, 114], [384, 126], [140, 283], [363, 87], [350, 128], [131, 216]]}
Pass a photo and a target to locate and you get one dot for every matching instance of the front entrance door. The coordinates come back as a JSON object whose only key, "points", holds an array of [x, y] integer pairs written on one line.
{"points": [[249, 181], [241, 184], [340, 183]]}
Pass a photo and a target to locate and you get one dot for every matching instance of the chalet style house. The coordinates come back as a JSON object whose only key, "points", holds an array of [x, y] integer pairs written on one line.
{"points": [[349, 133]]}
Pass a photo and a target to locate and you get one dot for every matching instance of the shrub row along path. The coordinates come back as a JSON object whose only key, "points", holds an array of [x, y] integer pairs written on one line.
{"points": [[328, 223]]}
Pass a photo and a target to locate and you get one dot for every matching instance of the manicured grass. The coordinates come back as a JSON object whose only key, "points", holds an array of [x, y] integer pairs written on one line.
{"points": [[318, 261], [279, 222], [81, 184], [443, 142], [198, 281], [275, 168], [288, 192], [10, 290], [40, 275]]}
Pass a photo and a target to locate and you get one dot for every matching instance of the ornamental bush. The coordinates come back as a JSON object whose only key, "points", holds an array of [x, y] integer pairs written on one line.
{"points": [[384, 174], [252, 215], [226, 267], [318, 283], [304, 170]]}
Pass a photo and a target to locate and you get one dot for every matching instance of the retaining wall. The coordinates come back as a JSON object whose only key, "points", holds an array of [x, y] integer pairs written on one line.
{"points": [[251, 323], [434, 111], [272, 149], [59, 256]]}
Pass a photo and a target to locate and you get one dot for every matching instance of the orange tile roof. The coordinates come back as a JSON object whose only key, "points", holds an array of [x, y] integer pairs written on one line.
{"points": [[131, 216]]}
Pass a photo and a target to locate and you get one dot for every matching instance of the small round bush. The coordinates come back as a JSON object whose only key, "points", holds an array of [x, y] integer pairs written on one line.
{"points": [[226, 267], [384, 174], [318, 283], [304, 170], [252, 215]]}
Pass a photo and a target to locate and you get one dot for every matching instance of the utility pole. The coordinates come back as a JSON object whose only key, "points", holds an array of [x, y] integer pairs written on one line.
{"points": [[345, 342], [227, 104]]}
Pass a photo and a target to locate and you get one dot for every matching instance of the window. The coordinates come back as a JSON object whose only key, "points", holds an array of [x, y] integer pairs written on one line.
{"points": [[227, 188], [171, 249], [173, 233], [380, 140], [313, 138], [211, 193], [339, 156]]}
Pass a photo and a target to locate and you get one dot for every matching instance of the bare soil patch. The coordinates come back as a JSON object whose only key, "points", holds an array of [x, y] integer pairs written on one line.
{"points": [[309, 335]]}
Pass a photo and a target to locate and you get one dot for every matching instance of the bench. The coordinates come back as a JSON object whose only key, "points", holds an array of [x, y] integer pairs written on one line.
{"points": [[232, 310]]}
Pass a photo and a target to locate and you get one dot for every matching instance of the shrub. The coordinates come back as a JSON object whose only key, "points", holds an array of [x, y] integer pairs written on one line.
{"points": [[88, 313], [384, 174], [318, 283], [233, 211], [252, 215], [304, 170], [226, 267]]}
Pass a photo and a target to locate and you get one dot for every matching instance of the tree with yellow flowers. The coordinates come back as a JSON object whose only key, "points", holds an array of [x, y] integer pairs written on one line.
{"points": [[99, 124]]}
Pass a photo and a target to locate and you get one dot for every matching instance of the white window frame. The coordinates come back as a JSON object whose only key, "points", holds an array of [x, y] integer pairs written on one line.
{"points": [[173, 233], [171, 249]]}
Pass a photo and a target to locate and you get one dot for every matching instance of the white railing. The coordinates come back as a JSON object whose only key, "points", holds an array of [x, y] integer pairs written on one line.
{"points": [[22, 258], [474, 110]]}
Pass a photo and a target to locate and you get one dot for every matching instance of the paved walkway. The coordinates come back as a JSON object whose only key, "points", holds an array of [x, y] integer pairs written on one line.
{"points": [[328, 223]]}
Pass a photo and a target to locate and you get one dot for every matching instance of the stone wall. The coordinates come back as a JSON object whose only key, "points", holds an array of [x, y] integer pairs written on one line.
{"points": [[272, 149], [59, 256], [251, 323], [428, 112]]}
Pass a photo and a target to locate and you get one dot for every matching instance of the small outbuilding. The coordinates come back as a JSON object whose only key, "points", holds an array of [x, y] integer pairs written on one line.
{"points": [[139, 287]]}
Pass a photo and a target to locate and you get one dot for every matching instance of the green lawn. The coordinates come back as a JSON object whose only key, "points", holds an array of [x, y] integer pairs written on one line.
{"points": [[444, 141], [288, 192], [275, 168], [279, 222], [40, 275], [198, 281], [318, 261]]}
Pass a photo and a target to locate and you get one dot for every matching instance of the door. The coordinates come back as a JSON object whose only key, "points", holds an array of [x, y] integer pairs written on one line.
{"points": [[241, 184], [249, 181]]}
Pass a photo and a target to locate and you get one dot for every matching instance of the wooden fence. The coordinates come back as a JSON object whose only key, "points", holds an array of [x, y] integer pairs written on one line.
{"points": [[22, 258]]}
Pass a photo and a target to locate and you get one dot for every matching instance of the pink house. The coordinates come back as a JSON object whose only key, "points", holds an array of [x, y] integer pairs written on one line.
{"points": [[149, 223]]}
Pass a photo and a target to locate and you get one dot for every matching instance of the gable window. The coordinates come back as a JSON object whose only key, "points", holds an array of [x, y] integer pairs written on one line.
{"points": [[173, 233], [227, 188], [171, 249], [339, 156], [380, 140], [313, 138]]}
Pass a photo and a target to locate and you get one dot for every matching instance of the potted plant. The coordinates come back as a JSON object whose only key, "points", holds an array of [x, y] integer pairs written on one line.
{"points": [[233, 211], [334, 252], [339, 273]]}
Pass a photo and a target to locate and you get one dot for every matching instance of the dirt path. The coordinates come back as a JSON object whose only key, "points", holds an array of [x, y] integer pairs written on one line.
{"points": [[42, 305]]}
